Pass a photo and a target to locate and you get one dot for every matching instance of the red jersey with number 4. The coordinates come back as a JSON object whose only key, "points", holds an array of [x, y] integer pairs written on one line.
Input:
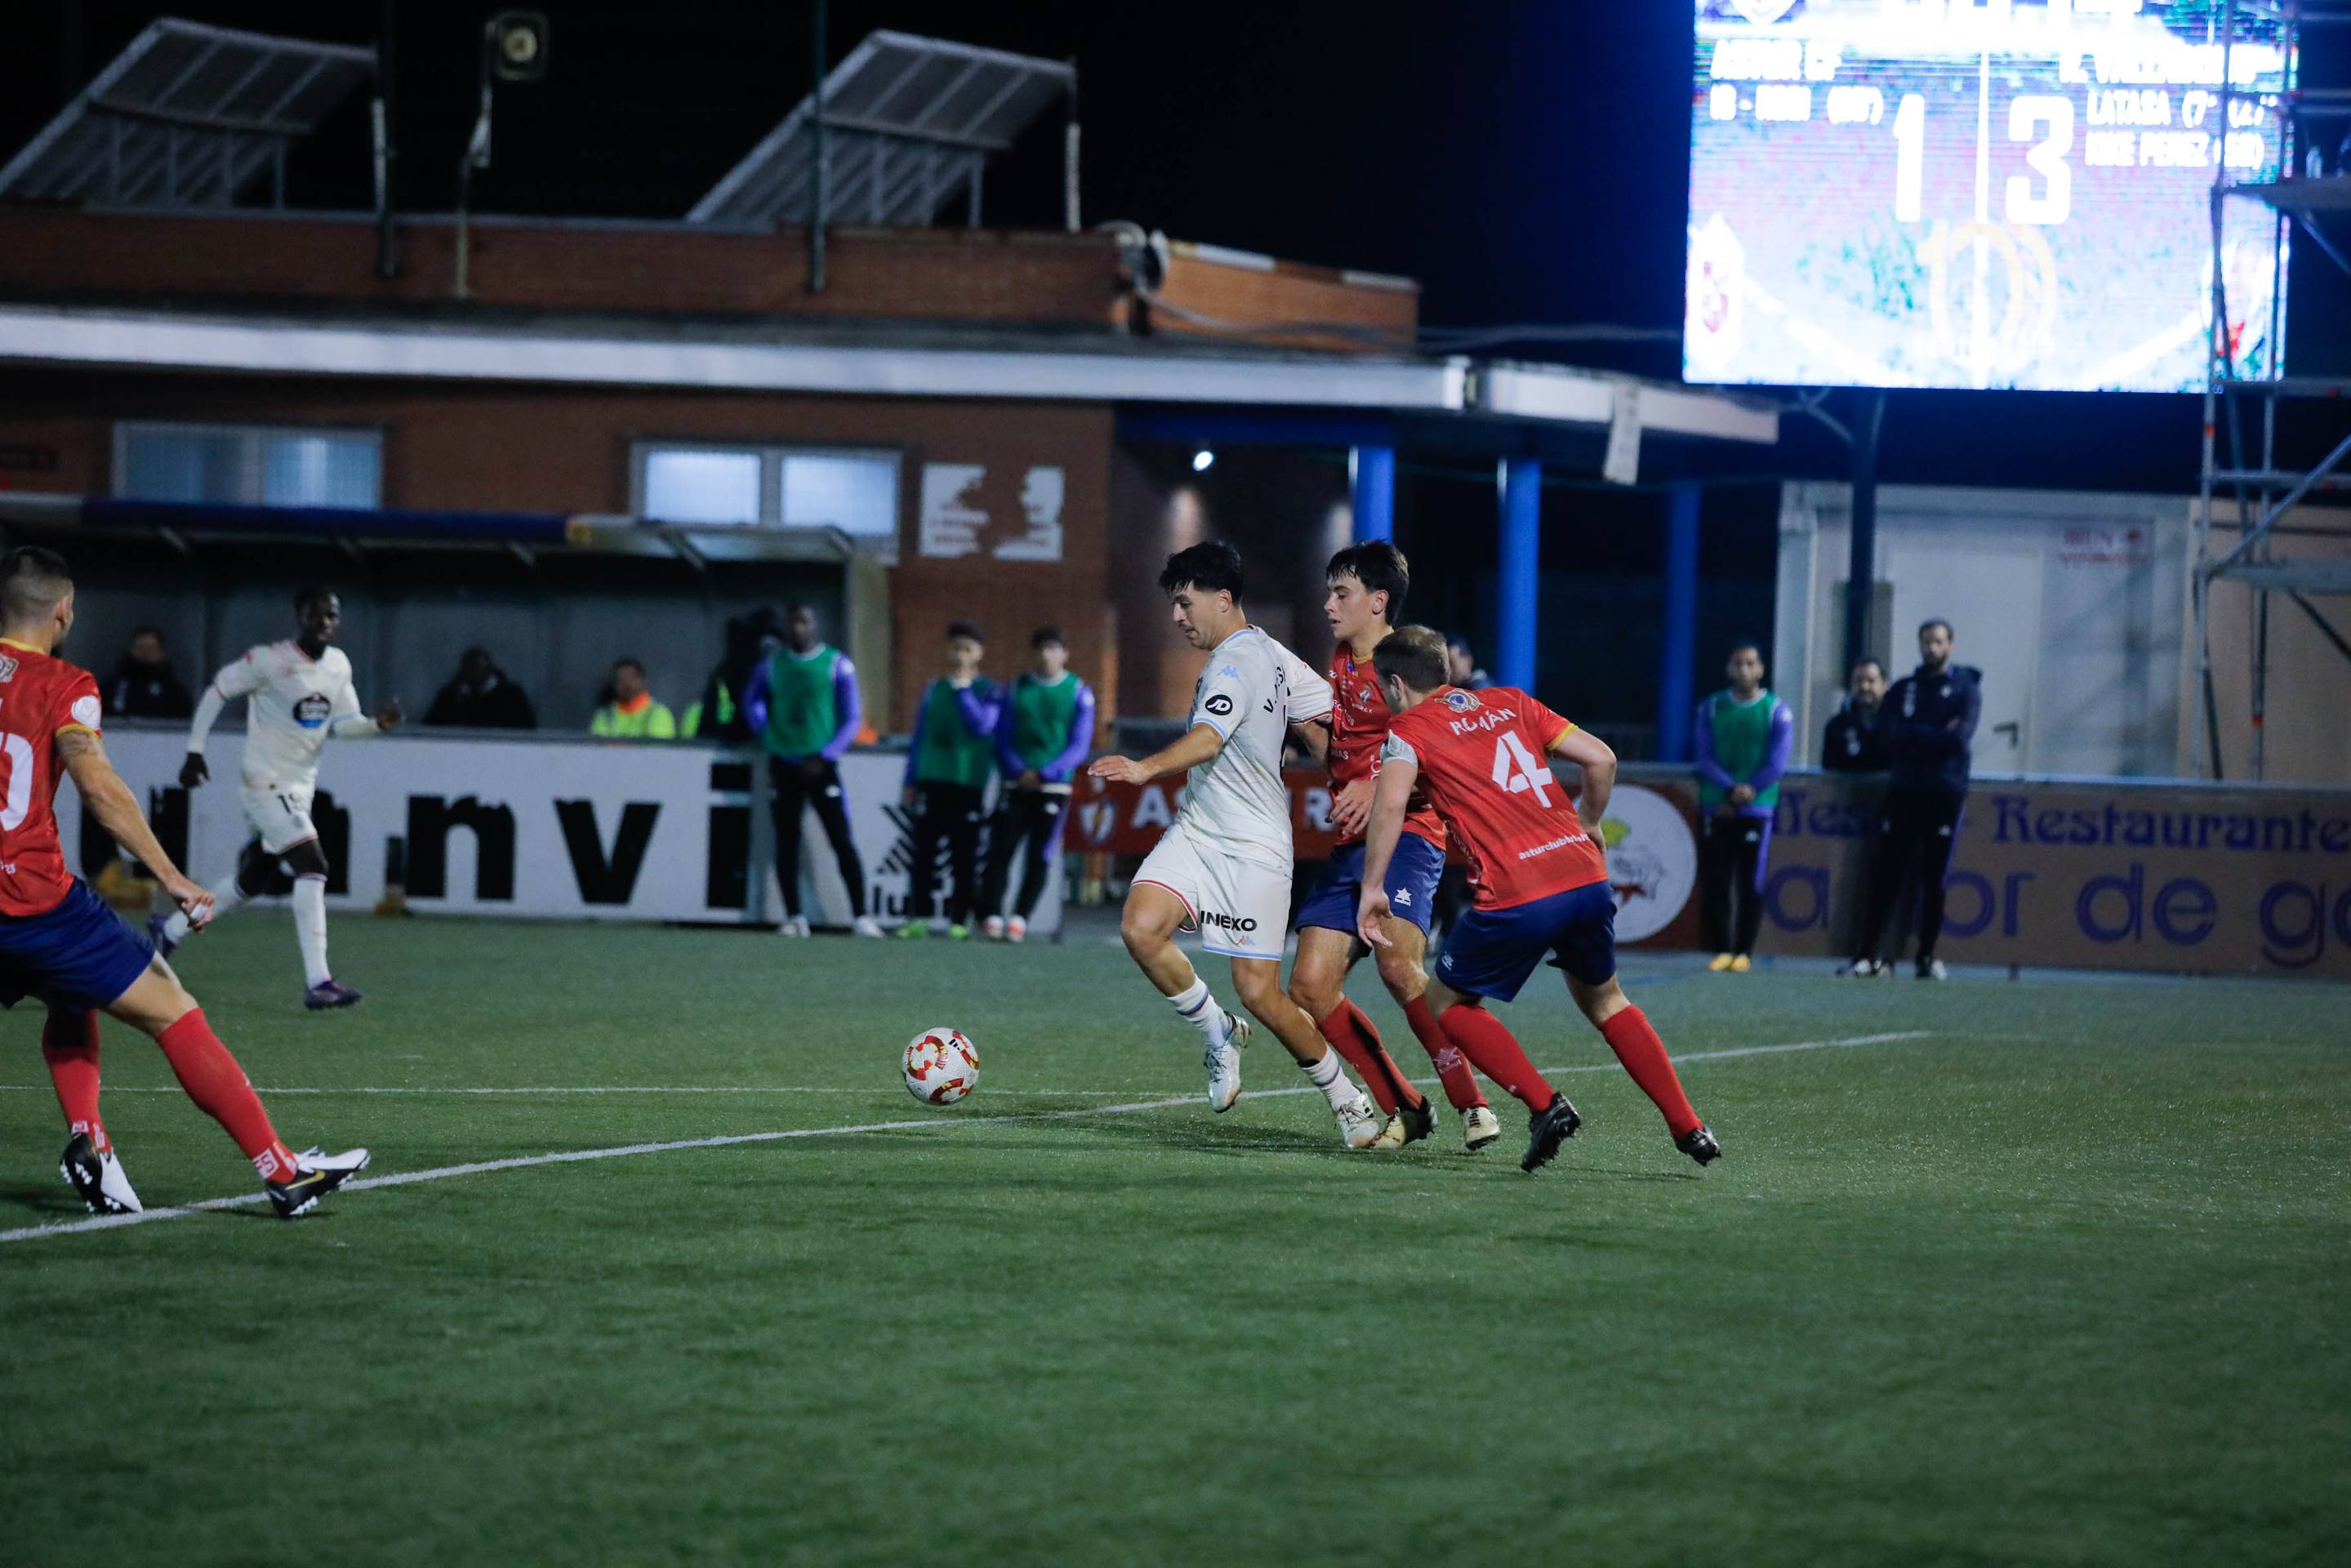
{"points": [[1359, 723], [39, 698], [1484, 764]]}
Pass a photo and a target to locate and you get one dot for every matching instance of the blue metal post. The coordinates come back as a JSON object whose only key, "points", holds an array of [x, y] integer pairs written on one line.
{"points": [[1514, 650], [1675, 694], [1374, 474]]}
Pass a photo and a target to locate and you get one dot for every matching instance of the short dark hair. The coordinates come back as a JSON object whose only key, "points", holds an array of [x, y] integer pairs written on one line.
{"points": [[32, 580], [1870, 659], [1934, 620], [1746, 645], [629, 663], [1416, 655], [1458, 641], [310, 594], [966, 628], [1379, 566], [1044, 634], [154, 631], [1214, 566]]}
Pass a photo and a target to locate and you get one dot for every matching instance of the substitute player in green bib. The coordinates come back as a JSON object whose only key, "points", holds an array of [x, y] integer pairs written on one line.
{"points": [[803, 706], [946, 789], [1046, 730], [1744, 738]]}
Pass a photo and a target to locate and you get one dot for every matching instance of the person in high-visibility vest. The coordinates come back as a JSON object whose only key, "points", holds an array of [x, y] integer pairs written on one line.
{"points": [[632, 714]]}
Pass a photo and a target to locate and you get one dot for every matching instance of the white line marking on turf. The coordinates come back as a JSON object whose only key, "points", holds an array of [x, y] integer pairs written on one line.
{"points": [[556, 1089], [573, 1156]]}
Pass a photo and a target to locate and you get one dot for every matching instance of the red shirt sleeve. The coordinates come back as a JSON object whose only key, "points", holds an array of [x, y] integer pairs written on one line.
{"points": [[77, 704], [1544, 725]]}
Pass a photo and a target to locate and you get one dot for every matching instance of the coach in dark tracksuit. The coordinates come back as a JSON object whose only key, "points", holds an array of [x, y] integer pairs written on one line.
{"points": [[1927, 722], [1854, 743]]}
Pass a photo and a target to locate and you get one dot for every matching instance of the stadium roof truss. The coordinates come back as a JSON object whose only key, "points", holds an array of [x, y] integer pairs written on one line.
{"points": [[187, 116], [909, 124]]}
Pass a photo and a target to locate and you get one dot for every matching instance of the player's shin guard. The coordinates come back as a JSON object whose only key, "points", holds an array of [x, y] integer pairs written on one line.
{"points": [[220, 1088], [69, 1045], [1452, 1067], [1495, 1052], [1636, 1045], [311, 927]]}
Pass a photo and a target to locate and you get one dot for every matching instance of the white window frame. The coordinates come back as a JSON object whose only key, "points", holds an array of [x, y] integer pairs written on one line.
{"points": [[772, 457], [252, 461]]}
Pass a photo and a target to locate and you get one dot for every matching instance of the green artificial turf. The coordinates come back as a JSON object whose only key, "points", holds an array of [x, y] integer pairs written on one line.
{"points": [[2062, 1280]]}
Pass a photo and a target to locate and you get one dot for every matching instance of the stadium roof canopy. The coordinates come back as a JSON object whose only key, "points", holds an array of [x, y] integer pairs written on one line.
{"points": [[187, 116], [909, 123]]}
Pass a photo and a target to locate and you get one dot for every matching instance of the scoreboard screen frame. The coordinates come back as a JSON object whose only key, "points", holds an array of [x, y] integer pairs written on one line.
{"points": [[2011, 194]]}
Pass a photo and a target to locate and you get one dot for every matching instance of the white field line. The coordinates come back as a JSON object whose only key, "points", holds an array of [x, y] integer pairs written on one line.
{"points": [[931, 1124], [835, 1089]]}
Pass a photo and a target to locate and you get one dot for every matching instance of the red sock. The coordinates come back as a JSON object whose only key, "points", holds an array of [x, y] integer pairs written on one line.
{"points": [[220, 1088], [1452, 1067], [1494, 1050], [1636, 1045], [1352, 1035], [69, 1045]]}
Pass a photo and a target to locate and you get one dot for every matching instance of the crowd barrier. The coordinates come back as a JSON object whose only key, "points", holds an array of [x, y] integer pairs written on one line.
{"points": [[2099, 873]]}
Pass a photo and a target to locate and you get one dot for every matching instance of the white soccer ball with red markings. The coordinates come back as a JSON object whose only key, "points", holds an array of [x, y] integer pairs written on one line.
{"points": [[942, 1066]]}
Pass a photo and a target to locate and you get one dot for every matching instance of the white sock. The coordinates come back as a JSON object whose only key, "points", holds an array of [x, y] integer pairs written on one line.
{"points": [[310, 926], [226, 895], [1200, 1011], [1329, 1076]]}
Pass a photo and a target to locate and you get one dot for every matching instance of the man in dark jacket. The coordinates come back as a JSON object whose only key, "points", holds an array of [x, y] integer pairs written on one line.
{"points": [[1927, 722], [145, 685], [1854, 743], [480, 695]]}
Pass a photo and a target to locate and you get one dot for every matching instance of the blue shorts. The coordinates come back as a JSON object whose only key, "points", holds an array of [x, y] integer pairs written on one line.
{"points": [[80, 954], [1413, 872], [1490, 952]]}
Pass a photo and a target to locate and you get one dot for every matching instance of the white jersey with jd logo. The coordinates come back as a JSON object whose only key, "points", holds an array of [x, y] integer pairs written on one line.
{"points": [[1227, 856], [294, 703]]}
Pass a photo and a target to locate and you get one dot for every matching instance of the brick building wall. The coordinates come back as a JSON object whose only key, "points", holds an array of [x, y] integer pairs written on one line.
{"points": [[526, 448]]}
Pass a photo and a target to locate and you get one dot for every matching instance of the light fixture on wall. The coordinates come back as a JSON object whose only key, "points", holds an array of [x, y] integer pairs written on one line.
{"points": [[1203, 460]]}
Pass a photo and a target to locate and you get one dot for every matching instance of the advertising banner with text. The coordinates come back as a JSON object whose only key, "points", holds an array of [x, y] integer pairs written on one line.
{"points": [[539, 829]]}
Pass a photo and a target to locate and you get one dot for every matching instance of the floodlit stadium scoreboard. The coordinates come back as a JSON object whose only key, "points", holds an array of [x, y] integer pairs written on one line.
{"points": [[2010, 193]]}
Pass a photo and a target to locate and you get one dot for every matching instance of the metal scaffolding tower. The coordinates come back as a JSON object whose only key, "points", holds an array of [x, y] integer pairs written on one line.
{"points": [[2300, 192]]}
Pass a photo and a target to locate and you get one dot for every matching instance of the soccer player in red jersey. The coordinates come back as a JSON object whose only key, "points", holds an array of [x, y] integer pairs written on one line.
{"points": [[1538, 881], [58, 940], [1367, 585]]}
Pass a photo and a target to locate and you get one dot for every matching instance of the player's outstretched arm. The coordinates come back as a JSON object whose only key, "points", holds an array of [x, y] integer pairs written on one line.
{"points": [[1389, 804], [1200, 744], [109, 800], [1592, 753]]}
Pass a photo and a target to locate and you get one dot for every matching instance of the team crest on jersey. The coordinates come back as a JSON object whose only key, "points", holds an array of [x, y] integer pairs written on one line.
{"points": [[1460, 701], [312, 710], [7, 668]]}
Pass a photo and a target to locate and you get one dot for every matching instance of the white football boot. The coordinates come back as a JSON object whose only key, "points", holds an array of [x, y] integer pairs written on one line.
{"points": [[793, 925], [97, 1178], [1359, 1121], [866, 926], [1223, 1064], [993, 928], [1016, 929], [1479, 1126], [316, 1174]]}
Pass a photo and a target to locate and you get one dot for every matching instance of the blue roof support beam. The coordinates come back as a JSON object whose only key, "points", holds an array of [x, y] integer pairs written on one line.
{"points": [[1520, 485], [1676, 677], [1371, 471]]}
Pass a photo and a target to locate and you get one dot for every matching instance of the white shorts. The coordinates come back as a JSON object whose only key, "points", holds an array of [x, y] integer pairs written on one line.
{"points": [[1241, 911], [280, 817]]}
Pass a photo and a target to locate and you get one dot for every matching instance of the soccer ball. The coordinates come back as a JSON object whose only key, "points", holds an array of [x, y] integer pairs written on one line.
{"points": [[942, 1066]]}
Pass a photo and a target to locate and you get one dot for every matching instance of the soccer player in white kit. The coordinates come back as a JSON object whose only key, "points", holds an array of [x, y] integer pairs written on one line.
{"points": [[297, 693], [1223, 867]]}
